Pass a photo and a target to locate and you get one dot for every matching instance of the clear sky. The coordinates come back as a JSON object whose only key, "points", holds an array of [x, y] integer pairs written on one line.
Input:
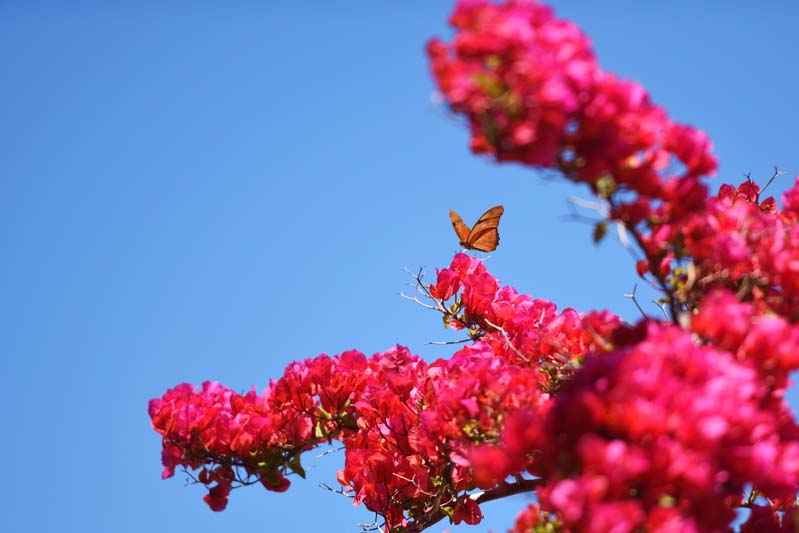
{"points": [[194, 191]]}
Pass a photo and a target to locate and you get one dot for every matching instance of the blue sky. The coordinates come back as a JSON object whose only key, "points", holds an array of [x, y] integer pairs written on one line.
{"points": [[192, 192]]}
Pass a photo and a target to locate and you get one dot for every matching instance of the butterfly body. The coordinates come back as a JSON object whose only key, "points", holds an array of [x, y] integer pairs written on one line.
{"points": [[484, 235]]}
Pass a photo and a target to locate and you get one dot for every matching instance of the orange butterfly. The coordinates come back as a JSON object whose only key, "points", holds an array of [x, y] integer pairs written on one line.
{"points": [[484, 235]]}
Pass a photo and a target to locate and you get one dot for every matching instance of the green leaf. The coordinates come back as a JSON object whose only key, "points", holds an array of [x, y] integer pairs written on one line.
{"points": [[296, 467]]}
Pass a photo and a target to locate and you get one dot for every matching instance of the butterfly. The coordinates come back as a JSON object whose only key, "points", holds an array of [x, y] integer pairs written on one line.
{"points": [[484, 235]]}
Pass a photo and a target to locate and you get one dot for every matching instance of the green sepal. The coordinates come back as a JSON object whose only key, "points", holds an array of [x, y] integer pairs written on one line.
{"points": [[605, 186], [667, 501], [272, 477], [600, 230]]}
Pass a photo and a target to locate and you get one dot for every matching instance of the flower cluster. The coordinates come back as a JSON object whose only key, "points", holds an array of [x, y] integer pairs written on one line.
{"points": [[533, 92], [408, 426], [523, 330], [664, 434], [737, 241], [239, 439], [414, 418]]}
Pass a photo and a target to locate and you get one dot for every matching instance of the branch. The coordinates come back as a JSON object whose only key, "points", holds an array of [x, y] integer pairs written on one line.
{"points": [[502, 491]]}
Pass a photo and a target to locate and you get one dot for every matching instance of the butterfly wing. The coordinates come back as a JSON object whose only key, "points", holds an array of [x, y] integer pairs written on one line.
{"points": [[484, 235], [461, 229]]}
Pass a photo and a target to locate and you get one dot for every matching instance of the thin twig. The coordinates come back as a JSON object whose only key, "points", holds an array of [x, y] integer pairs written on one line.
{"points": [[416, 299], [371, 526], [777, 174], [603, 209], [507, 338], [662, 307], [443, 343], [661, 281], [632, 297], [424, 291], [341, 491], [415, 484], [328, 452]]}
